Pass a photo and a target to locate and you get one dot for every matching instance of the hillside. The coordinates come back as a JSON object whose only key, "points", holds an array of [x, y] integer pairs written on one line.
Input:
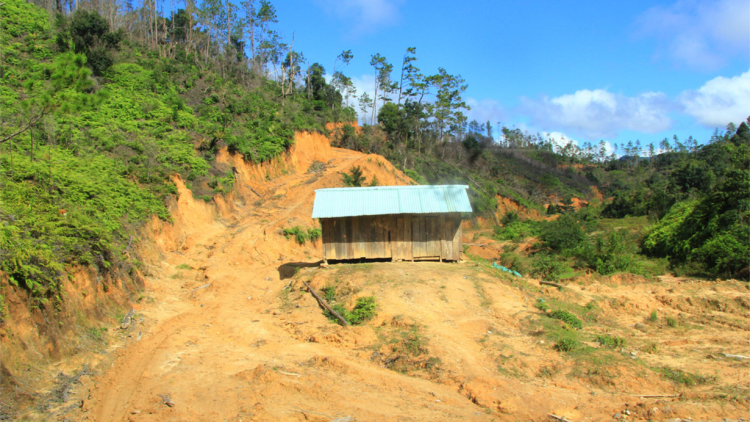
{"points": [[225, 329], [156, 163]]}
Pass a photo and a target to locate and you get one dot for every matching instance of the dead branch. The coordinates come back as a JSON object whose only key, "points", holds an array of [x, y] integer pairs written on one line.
{"points": [[655, 396], [559, 418], [549, 283], [201, 287], [289, 373], [727, 355], [325, 305]]}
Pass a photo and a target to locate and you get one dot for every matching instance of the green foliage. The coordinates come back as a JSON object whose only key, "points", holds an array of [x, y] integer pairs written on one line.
{"points": [[610, 341], [608, 254], [564, 234], [364, 309], [20, 19], [314, 234], [567, 317], [354, 178], [515, 229], [299, 233], [541, 305], [685, 378], [415, 176], [302, 235], [329, 292], [567, 344], [653, 317], [547, 267]]}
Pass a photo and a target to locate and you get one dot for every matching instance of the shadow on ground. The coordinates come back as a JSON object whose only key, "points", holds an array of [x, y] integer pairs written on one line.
{"points": [[290, 268]]}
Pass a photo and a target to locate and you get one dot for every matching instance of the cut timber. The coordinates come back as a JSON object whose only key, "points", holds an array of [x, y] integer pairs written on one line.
{"points": [[549, 283], [325, 305]]}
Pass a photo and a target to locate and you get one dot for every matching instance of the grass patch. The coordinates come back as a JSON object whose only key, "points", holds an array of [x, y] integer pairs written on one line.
{"points": [[685, 378], [613, 342], [567, 317], [301, 235], [567, 344]]}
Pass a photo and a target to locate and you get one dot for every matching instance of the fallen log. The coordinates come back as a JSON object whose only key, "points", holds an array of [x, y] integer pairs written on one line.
{"points": [[325, 305], [549, 283]]}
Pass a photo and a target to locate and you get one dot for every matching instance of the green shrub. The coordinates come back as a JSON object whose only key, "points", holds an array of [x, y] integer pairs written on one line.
{"points": [[567, 317], [314, 234], [608, 254], [564, 234], [329, 292], [299, 234], [567, 344], [613, 342], [547, 266], [354, 178], [364, 310], [653, 317]]}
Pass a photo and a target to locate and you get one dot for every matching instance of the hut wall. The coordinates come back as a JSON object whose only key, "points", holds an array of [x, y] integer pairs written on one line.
{"points": [[399, 237]]}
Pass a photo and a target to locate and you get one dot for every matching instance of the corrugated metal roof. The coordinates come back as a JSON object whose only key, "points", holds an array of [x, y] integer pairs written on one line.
{"points": [[380, 200]]}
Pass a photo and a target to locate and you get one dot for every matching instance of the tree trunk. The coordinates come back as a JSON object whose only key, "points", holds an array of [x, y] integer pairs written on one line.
{"points": [[374, 104]]}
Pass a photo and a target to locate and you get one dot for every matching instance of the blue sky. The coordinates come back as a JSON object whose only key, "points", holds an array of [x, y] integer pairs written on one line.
{"points": [[585, 70]]}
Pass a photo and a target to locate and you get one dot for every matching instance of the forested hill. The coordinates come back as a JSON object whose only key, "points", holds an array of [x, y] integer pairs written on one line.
{"points": [[97, 114], [101, 105]]}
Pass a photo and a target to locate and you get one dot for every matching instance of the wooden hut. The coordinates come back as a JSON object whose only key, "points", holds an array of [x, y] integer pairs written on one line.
{"points": [[396, 222]]}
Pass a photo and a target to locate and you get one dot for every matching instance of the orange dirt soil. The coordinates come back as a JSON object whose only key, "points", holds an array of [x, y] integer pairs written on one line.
{"points": [[226, 330]]}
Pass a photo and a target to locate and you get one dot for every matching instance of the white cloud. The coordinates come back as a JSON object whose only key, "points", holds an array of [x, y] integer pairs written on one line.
{"points": [[600, 113], [719, 101], [364, 15], [699, 33], [485, 110]]}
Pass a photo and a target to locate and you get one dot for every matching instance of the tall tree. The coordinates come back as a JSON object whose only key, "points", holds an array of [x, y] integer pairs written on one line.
{"points": [[407, 68]]}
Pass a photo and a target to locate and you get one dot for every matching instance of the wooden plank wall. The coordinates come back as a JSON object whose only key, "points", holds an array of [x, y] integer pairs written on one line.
{"points": [[399, 237]]}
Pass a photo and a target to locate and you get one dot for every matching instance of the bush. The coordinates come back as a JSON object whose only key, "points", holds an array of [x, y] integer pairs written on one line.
{"points": [[567, 344], [364, 309], [314, 234], [607, 254], [515, 229], [568, 318], [547, 266], [564, 234], [354, 178], [613, 342], [299, 233]]}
